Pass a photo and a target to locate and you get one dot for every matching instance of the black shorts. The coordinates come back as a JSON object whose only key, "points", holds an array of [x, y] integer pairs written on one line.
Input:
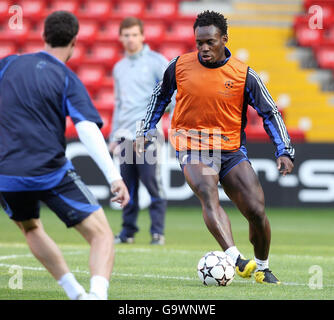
{"points": [[71, 200], [221, 162]]}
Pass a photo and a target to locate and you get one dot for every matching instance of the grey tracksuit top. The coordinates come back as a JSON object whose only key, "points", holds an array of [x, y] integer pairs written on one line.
{"points": [[135, 78]]}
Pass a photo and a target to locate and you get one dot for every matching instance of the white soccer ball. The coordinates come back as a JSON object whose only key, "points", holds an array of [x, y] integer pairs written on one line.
{"points": [[216, 268]]}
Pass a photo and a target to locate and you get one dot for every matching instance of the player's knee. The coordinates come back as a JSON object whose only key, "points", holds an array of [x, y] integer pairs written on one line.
{"points": [[96, 228], [209, 204], [102, 231], [29, 226], [205, 192], [256, 214], [102, 237]]}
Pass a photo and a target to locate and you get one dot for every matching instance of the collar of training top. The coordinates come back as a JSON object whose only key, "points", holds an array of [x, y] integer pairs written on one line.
{"points": [[146, 48], [52, 56], [218, 63]]}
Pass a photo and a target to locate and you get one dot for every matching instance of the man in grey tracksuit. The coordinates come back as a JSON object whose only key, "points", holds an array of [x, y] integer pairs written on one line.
{"points": [[135, 77]]}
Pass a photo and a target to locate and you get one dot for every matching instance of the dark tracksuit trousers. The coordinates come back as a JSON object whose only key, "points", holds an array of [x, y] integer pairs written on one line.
{"points": [[147, 171]]}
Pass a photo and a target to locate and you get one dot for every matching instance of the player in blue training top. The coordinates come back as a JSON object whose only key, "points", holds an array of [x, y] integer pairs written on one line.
{"points": [[37, 92]]}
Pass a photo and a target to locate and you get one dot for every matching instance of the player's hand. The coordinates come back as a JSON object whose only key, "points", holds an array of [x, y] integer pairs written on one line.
{"points": [[284, 165], [139, 145], [120, 192], [113, 146]]}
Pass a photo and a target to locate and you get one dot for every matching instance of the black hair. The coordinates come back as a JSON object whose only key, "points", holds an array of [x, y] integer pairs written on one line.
{"points": [[60, 27], [208, 18]]}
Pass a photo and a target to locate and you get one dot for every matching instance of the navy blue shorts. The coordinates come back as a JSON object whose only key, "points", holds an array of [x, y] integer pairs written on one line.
{"points": [[222, 162], [71, 200]]}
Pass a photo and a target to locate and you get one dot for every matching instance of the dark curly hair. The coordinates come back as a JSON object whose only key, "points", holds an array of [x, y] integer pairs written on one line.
{"points": [[60, 27], [208, 18]]}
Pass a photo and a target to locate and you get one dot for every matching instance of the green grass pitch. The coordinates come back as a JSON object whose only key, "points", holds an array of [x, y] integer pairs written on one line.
{"points": [[301, 239]]}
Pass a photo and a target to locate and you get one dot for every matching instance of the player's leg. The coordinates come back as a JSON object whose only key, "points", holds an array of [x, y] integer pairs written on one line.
{"points": [[43, 247], [49, 255], [129, 174], [96, 230], [149, 174], [243, 188], [205, 187], [23, 209], [76, 206]]}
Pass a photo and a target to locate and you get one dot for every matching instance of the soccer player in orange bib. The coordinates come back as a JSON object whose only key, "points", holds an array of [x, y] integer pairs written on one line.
{"points": [[214, 90]]}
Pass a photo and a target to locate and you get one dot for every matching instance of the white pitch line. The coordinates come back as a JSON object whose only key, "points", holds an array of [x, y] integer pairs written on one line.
{"points": [[23, 267], [294, 256], [29, 255], [14, 256], [130, 275], [166, 250], [177, 251], [154, 276]]}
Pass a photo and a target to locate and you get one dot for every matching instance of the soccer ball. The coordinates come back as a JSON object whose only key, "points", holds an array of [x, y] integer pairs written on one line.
{"points": [[216, 268]]}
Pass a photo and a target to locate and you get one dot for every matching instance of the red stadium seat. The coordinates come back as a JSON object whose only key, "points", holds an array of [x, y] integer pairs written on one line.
{"points": [[308, 37], [187, 18], [325, 56], [256, 133], [109, 31], [77, 57], [128, 8], [309, 3], [32, 47], [36, 32], [310, 17], [70, 132], [163, 9], [6, 49], [181, 31], [91, 76], [254, 129], [105, 99], [165, 124], [108, 80], [17, 36], [253, 119], [172, 50], [98, 9], [328, 37], [296, 135], [328, 15], [33, 9], [67, 5], [88, 32], [4, 7], [106, 54], [106, 117], [301, 19], [154, 31]]}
